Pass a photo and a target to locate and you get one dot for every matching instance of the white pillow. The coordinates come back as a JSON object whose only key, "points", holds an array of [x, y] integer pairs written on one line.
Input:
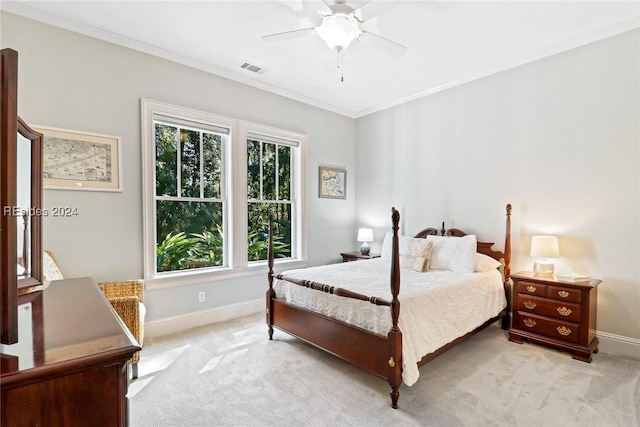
{"points": [[486, 263], [453, 253], [387, 245]]}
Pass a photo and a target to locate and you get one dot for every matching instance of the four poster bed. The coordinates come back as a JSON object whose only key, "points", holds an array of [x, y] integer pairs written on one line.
{"points": [[334, 307]]}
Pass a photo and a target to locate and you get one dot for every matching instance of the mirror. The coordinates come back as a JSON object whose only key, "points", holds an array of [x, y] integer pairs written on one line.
{"points": [[28, 208], [23, 204]]}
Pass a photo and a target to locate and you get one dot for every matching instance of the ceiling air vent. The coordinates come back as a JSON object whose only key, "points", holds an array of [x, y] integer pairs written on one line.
{"points": [[253, 68]]}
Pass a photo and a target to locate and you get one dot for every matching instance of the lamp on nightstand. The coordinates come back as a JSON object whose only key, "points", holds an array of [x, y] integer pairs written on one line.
{"points": [[365, 235], [544, 247]]}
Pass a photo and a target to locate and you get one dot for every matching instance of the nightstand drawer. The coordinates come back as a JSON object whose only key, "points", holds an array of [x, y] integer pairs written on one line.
{"points": [[564, 294], [531, 288], [547, 307], [565, 331]]}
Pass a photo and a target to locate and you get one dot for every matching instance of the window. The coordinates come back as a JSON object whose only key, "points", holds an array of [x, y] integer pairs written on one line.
{"points": [[209, 184], [269, 191], [189, 195]]}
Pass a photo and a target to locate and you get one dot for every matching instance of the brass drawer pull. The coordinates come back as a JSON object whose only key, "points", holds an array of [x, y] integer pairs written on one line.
{"points": [[563, 294], [530, 323], [564, 311], [530, 305], [531, 289], [563, 330]]}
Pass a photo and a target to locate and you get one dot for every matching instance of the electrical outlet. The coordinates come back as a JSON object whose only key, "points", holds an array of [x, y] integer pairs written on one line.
{"points": [[200, 296]]}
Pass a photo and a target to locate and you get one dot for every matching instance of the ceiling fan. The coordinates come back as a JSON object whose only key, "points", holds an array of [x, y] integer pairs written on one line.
{"points": [[339, 24]]}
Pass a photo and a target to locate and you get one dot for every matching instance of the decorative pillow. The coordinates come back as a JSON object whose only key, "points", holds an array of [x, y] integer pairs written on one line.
{"points": [[417, 256], [453, 253], [408, 247], [486, 263]]}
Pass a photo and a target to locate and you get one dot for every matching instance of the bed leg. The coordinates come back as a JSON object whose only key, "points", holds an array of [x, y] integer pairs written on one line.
{"points": [[394, 373], [395, 394], [505, 322]]}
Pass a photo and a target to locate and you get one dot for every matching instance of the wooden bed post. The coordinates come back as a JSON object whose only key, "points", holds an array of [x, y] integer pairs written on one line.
{"points": [[271, 294], [507, 269], [395, 335]]}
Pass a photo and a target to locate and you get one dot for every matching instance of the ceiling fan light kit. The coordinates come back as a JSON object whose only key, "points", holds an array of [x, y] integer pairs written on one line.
{"points": [[338, 30]]}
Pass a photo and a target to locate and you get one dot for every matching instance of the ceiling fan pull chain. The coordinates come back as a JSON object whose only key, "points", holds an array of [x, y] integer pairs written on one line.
{"points": [[341, 64]]}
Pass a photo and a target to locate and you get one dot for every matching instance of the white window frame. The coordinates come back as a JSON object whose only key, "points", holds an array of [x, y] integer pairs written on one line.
{"points": [[298, 183], [235, 206]]}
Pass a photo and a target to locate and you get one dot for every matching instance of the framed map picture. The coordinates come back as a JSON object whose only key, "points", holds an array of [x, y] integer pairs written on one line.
{"points": [[75, 160], [333, 183]]}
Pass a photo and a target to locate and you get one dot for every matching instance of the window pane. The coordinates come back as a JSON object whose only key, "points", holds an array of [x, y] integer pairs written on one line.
{"points": [[253, 169], [258, 238], [189, 235], [284, 172], [212, 168], [190, 158], [268, 171], [166, 165]]}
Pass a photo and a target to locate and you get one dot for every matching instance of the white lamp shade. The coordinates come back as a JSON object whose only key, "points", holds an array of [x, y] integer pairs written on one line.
{"points": [[544, 247], [365, 235]]}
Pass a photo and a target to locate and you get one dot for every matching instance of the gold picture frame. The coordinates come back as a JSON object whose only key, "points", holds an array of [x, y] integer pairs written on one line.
{"points": [[332, 183], [75, 160]]}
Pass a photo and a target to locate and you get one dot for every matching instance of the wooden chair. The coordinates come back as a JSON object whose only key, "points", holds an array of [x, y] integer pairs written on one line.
{"points": [[126, 297]]}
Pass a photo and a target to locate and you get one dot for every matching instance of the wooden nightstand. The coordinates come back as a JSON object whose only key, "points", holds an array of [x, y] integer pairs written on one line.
{"points": [[355, 256], [555, 313]]}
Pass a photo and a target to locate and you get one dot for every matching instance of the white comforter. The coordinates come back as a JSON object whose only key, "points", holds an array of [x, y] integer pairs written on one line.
{"points": [[436, 307]]}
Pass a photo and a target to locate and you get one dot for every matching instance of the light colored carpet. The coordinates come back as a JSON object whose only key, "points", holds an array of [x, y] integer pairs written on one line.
{"points": [[230, 374]]}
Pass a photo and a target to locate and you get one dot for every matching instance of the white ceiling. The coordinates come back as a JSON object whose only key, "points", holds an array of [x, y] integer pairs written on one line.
{"points": [[448, 42]]}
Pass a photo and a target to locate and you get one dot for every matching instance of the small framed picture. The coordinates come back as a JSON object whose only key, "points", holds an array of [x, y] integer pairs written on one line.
{"points": [[332, 183], [74, 160]]}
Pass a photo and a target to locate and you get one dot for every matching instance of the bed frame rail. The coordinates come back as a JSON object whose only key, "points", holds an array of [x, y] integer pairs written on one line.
{"points": [[334, 290]]}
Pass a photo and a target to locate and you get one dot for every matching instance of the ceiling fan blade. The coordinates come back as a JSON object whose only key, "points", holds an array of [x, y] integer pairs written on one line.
{"points": [[382, 44], [372, 8], [313, 9], [286, 35]]}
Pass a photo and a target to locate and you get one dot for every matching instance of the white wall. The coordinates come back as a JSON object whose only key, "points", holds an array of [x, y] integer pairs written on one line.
{"points": [[559, 139], [71, 81]]}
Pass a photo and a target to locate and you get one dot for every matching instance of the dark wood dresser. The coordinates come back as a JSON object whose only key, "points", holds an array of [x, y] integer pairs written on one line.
{"points": [[555, 313], [69, 367]]}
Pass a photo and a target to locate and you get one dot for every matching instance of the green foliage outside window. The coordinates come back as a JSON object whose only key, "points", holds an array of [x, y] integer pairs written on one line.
{"points": [[268, 191], [189, 207]]}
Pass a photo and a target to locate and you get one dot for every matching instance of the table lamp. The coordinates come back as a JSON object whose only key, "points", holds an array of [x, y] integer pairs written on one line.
{"points": [[365, 235], [542, 248]]}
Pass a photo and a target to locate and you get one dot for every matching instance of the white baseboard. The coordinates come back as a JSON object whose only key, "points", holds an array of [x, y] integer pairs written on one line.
{"points": [[609, 343], [618, 344], [175, 324]]}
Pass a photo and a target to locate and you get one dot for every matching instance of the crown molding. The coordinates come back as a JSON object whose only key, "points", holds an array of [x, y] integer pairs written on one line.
{"points": [[604, 33]]}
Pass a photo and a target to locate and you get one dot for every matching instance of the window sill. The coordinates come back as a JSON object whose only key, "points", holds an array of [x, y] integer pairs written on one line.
{"points": [[192, 277]]}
